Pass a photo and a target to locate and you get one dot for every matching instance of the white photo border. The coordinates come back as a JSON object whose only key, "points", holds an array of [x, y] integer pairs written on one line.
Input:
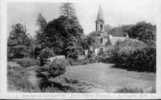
{"points": [[3, 61]]}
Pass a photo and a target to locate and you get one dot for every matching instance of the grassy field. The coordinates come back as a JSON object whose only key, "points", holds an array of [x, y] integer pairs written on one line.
{"points": [[97, 77], [113, 79]]}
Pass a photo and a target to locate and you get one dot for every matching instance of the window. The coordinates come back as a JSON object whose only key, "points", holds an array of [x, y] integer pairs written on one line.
{"points": [[101, 40]]}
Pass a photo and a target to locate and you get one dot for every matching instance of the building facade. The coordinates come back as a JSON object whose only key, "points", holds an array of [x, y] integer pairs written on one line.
{"points": [[102, 37]]}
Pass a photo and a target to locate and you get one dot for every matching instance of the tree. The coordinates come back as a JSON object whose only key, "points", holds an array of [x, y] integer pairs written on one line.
{"points": [[60, 33], [68, 10], [73, 49], [18, 42], [143, 31], [42, 23], [62, 30], [120, 30]]}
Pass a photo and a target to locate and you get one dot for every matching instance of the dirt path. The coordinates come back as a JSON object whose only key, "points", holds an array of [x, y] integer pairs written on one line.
{"points": [[111, 79]]}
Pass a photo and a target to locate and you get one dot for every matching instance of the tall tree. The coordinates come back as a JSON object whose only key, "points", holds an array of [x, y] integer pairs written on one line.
{"points": [[18, 42], [42, 23], [64, 34], [68, 10]]}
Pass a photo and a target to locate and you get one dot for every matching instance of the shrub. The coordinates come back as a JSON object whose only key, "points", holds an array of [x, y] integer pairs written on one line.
{"points": [[136, 56], [44, 54], [18, 80], [18, 51], [57, 67], [54, 69], [50, 70], [27, 62]]}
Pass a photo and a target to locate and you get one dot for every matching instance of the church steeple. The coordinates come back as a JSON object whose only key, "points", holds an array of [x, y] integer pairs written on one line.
{"points": [[100, 14], [100, 20]]}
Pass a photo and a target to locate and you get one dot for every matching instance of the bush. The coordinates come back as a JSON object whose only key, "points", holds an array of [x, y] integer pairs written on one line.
{"points": [[135, 56], [18, 51], [18, 80], [57, 67], [44, 54], [50, 70], [54, 69], [27, 62]]}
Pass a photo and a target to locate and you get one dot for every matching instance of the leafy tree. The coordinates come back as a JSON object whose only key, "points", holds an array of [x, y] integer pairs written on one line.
{"points": [[84, 42], [120, 30], [72, 48], [143, 31], [42, 23], [18, 42], [64, 33], [92, 39], [68, 10], [60, 31]]}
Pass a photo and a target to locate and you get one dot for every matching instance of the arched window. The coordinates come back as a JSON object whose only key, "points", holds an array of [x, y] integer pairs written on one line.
{"points": [[101, 27]]}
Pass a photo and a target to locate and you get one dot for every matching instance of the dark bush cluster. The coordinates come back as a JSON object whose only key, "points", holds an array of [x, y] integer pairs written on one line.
{"points": [[130, 54], [142, 60], [139, 59], [54, 69], [45, 54], [48, 71]]}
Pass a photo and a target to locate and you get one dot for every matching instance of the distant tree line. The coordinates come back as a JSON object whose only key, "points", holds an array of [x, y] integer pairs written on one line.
{"points": [[143, 31], [139, 51]]}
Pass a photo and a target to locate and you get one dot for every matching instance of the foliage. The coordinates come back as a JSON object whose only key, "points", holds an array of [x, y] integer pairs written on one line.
{"points": [[134, 57], [42, 23], [68, 10], [57, 67], [92, 39], [26, 62], [73, 50], [18, 51], [62, 35], [51, 70], [143, 31], [18, 42], [45, 54], [54, 69], [62, 30], [120, 30]]}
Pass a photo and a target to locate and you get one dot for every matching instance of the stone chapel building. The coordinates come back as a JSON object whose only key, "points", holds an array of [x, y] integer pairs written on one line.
{"points": [[100, 35], [103, 38]]}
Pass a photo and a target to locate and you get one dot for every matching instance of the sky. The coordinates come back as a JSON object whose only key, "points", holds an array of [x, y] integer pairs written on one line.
{"points": [[116, 12]]}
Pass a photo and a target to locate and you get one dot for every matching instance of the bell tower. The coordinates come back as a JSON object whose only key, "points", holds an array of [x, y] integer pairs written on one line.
{"points": [[100, 21]]}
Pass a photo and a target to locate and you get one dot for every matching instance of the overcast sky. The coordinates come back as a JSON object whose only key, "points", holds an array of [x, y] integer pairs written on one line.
{"points": [[116, 12]]}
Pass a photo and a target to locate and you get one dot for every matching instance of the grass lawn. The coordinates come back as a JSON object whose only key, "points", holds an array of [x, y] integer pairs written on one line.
{"points": [[111, 79], [97, 77]]}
